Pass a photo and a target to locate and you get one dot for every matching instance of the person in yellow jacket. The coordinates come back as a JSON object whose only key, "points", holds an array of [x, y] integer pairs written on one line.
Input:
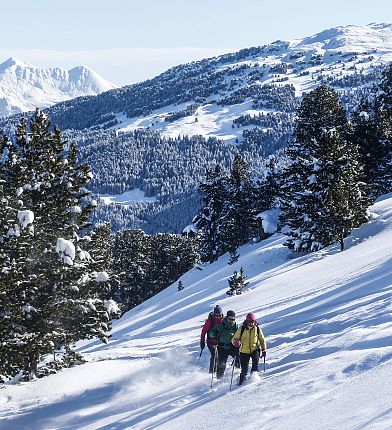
{"points": [[249, 338]]}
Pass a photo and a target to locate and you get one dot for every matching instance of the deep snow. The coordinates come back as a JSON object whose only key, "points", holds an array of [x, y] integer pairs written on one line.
{"points": [[327, 320]]}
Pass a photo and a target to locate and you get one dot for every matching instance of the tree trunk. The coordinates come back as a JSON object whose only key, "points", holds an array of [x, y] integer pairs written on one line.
{"points": [[341, 241], [33, 367]]}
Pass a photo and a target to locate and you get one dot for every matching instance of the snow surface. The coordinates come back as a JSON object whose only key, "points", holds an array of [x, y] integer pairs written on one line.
{"points": [[127, 198], [327, 317]]}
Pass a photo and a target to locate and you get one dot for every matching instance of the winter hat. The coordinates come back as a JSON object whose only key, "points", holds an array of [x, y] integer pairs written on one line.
{"points": [[230, 314], [251, 317], [218, 310]]}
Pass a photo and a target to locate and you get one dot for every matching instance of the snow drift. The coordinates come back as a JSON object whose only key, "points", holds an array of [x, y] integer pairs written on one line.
{"points": [[327, 320]]}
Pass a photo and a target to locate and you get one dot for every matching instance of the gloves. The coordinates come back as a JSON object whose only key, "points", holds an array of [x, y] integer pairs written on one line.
{"points": [[202, 344], [236, 343], [264, 353]]}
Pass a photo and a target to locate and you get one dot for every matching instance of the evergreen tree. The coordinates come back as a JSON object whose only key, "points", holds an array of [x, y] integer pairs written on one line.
{"points": [[323, 197], [239, 221], [52, 286], [267, 191], [209, 220], [234, 256], [237, 283], [132, 261], [384, 122], [149, 263], [372, 153]]}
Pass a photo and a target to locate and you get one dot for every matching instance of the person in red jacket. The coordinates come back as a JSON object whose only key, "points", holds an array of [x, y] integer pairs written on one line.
{"points": [[214, 318]]}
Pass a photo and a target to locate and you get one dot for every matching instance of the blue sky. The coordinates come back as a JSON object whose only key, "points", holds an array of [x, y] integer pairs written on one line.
{"points": [[126, 41]]}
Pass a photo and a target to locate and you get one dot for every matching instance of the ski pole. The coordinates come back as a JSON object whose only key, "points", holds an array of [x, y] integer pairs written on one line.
{"points": [[213, 369], [264, 363], [232, 370], [201, 352]]}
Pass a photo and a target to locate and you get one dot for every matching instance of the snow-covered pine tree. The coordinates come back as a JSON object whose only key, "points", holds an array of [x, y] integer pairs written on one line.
{"points": [[373, 155], [132, 262], [384, 122], [208, 221], [172, 255], [53, 286], [323, 197], [267, 190], [15, 242], [149, 263], [239, 221], [237, 283]]}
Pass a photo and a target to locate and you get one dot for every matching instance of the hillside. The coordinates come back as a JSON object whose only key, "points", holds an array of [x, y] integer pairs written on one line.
{"points": [[162, 134], [253, 80], [327, 319], [23, 87]]}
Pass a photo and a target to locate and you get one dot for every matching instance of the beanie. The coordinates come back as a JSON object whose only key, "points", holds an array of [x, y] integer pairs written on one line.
{"points": [[218, 310], [230, 314], [250, 317]]}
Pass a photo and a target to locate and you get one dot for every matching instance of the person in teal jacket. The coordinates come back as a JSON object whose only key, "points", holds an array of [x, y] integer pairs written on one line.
{"points": [[225, 332]]}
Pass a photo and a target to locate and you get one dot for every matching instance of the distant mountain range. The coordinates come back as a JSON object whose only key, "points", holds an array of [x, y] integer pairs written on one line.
{"points": [[139, 136], [24, 87]]}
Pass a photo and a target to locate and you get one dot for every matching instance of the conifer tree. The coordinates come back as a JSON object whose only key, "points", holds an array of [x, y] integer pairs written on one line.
{"points": [[209, 220], [132, 262], [149, 263], [237, 283], [267, 191], [323, 197], [372, 153], [384, 123], [52, 286], [239, 221]]}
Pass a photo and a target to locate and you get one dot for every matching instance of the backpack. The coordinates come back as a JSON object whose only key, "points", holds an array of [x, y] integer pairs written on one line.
{"points": [[243, 327], [211, 318], [226, 332]]}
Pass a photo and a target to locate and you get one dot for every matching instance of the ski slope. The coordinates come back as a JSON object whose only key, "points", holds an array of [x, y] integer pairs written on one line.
{"points": [[327, 317]]}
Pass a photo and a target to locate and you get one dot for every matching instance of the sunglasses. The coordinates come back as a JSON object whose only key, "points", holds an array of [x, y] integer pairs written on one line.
{"points": [[231, 319], [249, 322]]}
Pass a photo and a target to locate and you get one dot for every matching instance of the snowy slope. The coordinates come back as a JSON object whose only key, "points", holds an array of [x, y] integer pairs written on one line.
{"points": [[327, 317], [335, 53], [24, 87]]}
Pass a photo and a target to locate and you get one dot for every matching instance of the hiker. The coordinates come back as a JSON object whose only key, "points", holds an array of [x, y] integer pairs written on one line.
{"points": [[225, 332], [214, 318], [249, 338]]}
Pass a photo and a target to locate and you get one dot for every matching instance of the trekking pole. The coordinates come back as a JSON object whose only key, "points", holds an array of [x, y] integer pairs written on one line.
{"points": [[201, 352], [264, 363], [213, 369], [232, 370]]}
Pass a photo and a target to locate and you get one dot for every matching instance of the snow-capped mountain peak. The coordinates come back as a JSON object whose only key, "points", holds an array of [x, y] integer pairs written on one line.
{"points": [[12, 61], [24, 87], [360, 38]]}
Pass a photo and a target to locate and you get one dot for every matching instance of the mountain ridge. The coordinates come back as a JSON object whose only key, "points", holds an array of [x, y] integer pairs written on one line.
{"points": [[243, 102], [23, 86]]}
